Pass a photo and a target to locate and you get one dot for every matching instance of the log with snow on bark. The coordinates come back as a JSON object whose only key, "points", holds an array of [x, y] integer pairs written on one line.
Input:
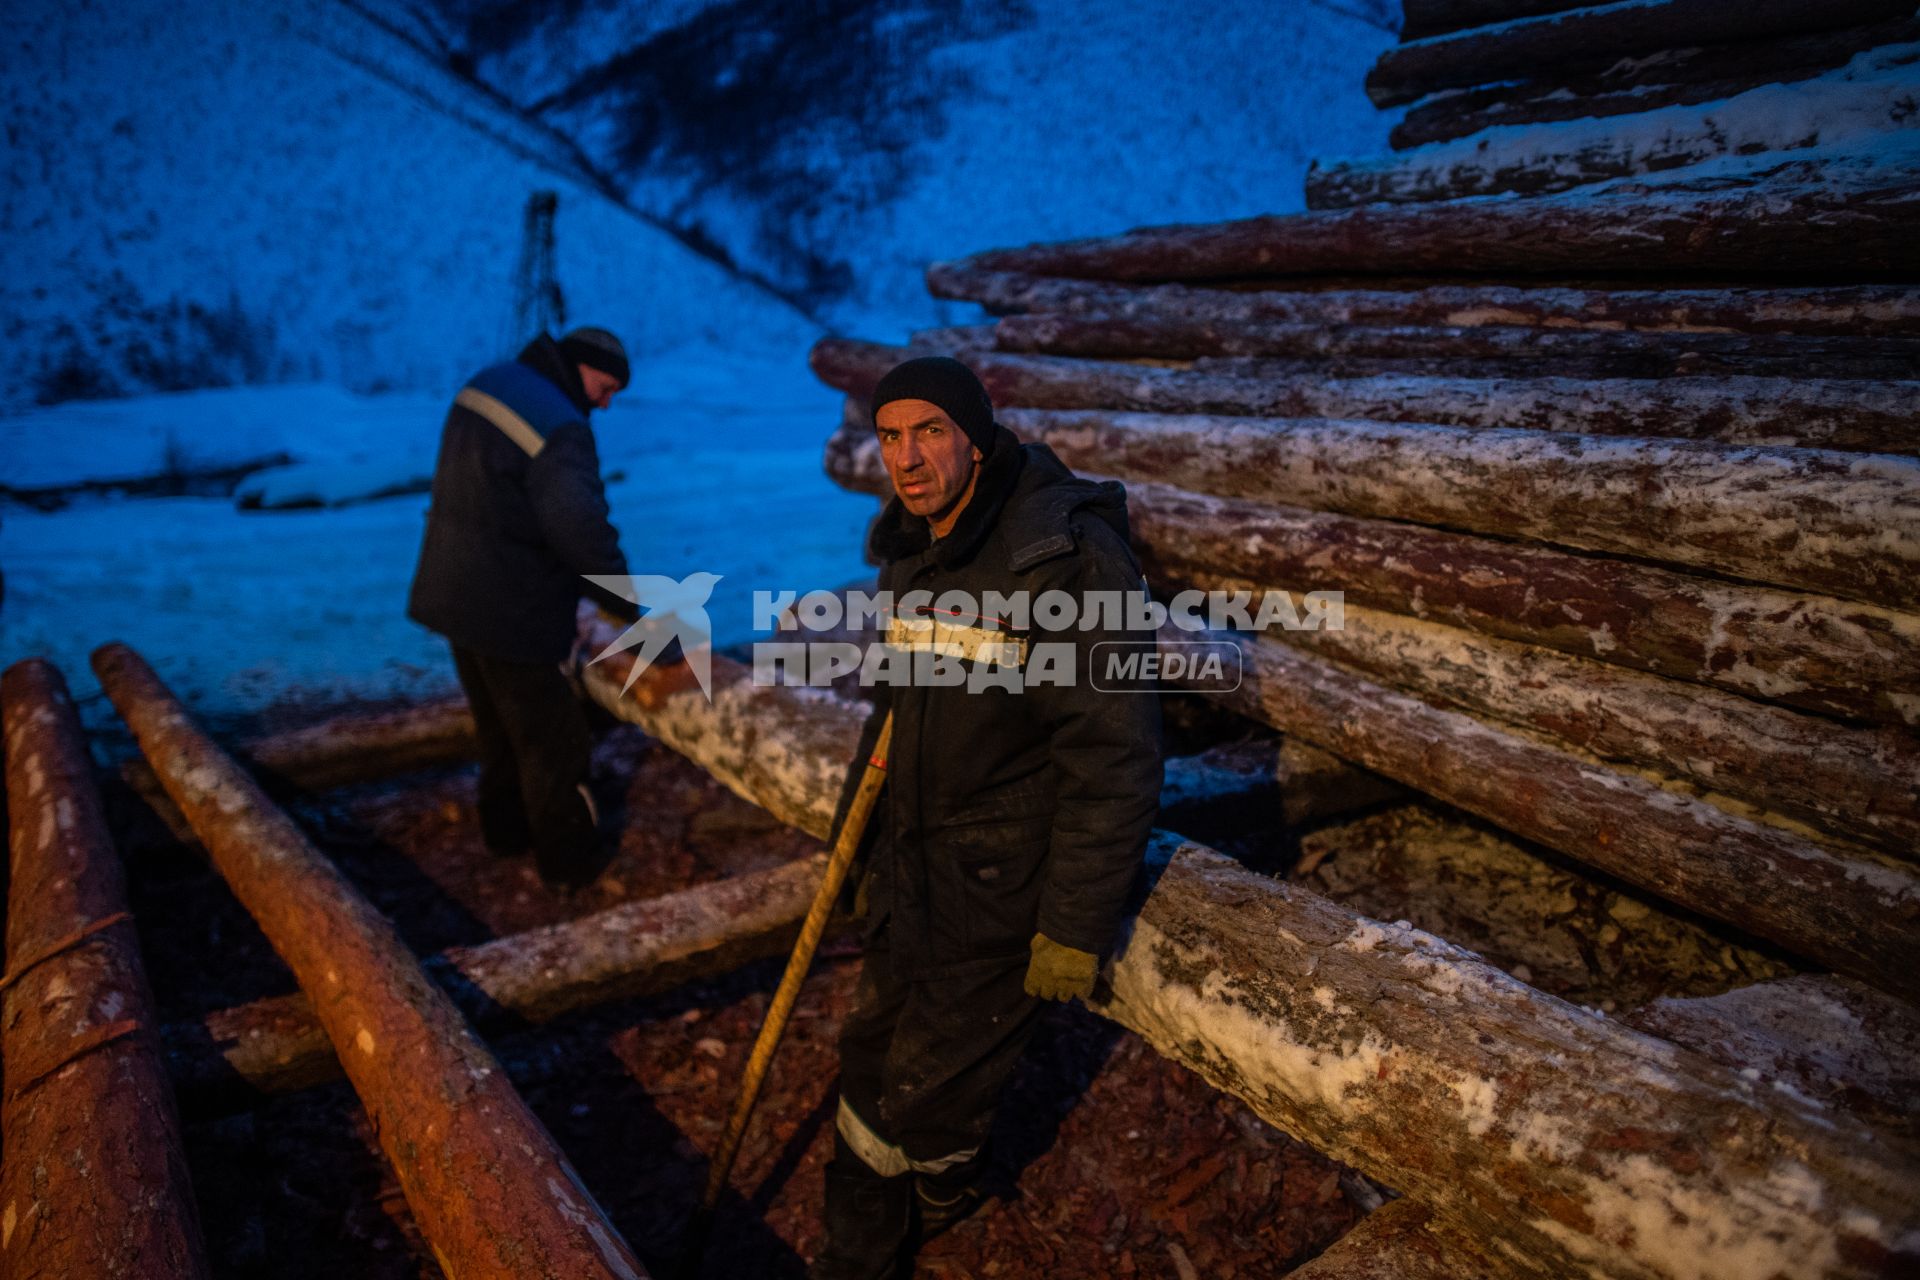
{"points": [[640, 948], [94, 1179], [1851, 209], [1569, 1142], [1610, 86], [1853, 911], [1822, 521], [1468, 350], [482, 1177], [1531, 1121], [1859, 310], [1818, 653], [1523, 46], [1873, 93], [1871, 417]]}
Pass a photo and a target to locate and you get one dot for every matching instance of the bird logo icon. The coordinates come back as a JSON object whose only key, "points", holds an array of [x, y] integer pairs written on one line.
{"points": [[676, 610]]}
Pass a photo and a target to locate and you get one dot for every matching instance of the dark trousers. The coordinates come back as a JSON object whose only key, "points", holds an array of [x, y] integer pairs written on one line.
{"points": [[534, 747], [922, 1063]]}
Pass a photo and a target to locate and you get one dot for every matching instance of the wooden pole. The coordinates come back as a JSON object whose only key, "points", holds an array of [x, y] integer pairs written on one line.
{"points": [[95, 1179], [490, 1190]]}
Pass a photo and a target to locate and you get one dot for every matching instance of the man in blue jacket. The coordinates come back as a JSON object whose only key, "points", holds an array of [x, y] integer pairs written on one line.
{"points": [[518, 515]]}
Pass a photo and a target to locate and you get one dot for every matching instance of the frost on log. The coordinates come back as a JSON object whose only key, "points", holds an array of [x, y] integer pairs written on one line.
{"points": [[1595, 400]]}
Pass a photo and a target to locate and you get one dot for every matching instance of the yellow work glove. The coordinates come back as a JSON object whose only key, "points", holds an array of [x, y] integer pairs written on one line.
{"points": [[1058, 972]]}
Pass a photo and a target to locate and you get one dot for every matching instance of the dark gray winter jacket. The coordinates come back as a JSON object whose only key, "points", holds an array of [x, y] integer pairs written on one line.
{"points": [[509, 535], [1007, 813]]}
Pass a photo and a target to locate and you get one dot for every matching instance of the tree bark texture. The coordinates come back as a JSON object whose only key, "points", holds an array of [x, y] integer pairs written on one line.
{"points": [[277, 1045], [1501, 350], [1817, 214], [363, 747], [1610, 86], [1862, 416], [1524, 47], [1844, 782], [1854, 912], [490, 1190], [1816, 520], [95, 1179], [1840, 310], [1816, 653], [1573, 1142], [1873, 94], [1580, 1144]]}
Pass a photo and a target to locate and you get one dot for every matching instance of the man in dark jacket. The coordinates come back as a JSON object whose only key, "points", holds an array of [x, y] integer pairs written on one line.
{"points": [[518, 515], [1015, 816]]}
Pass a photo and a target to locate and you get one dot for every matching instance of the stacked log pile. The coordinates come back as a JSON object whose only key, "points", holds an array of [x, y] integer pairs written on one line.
{"points": [[1596, 400]]}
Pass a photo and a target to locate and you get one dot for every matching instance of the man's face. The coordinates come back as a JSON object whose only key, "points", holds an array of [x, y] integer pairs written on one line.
{"points": [[929, 459], [600, 386]]}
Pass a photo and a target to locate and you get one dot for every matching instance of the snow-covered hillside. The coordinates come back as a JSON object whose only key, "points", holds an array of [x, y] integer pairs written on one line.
{"points": [[217, 192], [211, 192]]}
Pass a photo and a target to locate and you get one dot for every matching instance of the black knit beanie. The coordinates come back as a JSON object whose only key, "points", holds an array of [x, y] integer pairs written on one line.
{"points": [[945, 382], [597, 349]]}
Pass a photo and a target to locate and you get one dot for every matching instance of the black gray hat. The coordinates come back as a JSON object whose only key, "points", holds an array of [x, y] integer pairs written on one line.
{"points": [[948, 384], [597, 349]]}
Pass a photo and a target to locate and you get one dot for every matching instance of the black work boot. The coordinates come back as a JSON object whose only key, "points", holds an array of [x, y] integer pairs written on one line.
{"points": [[943, 1200], [867, 1219]]}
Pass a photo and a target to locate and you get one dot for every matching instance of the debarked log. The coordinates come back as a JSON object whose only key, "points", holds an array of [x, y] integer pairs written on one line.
{"points": [[1874, 93], [638, 948], [1526, 1119], [1818, 653], [1579, 1145], [1521, 48], [1508, 350], [95, 1179], [1818, 213], [1855, 912], [1841, 414], [487, 1185], [1861, 310], [1820, 520]]}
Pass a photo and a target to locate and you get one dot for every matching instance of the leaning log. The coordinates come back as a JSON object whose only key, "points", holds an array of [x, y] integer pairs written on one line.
{"points": [[1872, 94], [1582, 1146], [1502, 350], [1522, 48], [1820, 213], [95, 1179], [1612, 86], [1844, 781], [642, 948], [1872, 417], [1855, 912], [488, 1187], [1836, 523], [1817, 653], [277, 1045], [1858, 310], [1529, 1120]]}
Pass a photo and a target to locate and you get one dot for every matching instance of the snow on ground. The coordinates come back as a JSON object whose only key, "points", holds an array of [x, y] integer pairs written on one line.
{"points": [[720, 467]]}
